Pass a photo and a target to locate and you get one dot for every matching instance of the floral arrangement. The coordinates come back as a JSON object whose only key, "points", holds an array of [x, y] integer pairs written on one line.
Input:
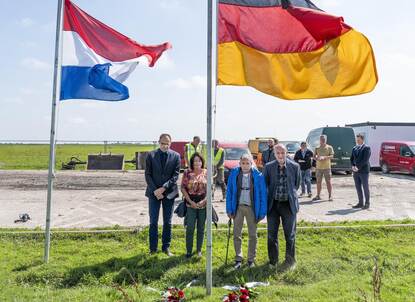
{"points": [[244, 294], [174, 294]]}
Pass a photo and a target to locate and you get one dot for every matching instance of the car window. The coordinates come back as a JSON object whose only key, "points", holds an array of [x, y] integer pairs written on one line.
{"points": [[292, 147], [235, 153], [404, 150], [412, 149], [263, 146]]}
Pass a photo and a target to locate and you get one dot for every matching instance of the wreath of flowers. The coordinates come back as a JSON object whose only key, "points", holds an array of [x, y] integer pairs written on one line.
{"points": [[244, 294], [175, 294]]}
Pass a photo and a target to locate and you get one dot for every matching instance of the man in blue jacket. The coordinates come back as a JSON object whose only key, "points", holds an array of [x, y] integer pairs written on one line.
{"points": [[361, 168], [162, 172], [246, 198], [282, 178]]}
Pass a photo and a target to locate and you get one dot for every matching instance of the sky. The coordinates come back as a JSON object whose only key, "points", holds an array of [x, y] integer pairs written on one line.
{"points": [[171, 97]]}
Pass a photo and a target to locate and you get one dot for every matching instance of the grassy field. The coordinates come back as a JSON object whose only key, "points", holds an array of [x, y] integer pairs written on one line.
{"points": [[333, 265], [36, 157]]}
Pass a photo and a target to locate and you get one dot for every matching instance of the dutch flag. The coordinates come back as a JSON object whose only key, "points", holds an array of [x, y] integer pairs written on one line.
{"points": [[96, 59]]}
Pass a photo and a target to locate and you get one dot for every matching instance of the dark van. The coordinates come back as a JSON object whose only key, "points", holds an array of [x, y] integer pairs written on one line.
{"points": [[342, 139]]}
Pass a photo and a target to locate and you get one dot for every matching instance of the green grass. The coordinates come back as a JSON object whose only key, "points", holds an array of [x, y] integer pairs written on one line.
{"points": [[332, 266], [36, 157]]}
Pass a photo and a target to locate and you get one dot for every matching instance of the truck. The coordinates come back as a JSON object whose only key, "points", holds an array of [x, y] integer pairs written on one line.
{"points": [[376, 133]]}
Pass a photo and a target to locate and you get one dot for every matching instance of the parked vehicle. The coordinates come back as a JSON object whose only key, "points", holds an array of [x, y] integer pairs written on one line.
{"points": [[397, 156], [342, 139], [377, 133], [292, 147], [256, 147], [178, 146], [233, 153]]}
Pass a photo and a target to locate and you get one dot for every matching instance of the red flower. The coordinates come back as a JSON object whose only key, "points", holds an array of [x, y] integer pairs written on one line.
{"points": [[244, 291], [244, 298], [181, 294]]}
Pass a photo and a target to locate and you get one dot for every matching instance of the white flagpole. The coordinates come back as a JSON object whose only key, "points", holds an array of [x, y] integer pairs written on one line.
{"points": [[55, 98], [211, 86]]}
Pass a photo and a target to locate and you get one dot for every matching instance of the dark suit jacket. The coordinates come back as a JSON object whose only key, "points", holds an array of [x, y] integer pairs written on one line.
{"points": [[308, 159], [360, 158], [157, 177], [268, 156], [293, 183]]}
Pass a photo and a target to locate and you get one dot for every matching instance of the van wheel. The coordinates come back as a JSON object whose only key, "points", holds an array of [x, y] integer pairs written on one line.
{"points": [[385, 169]]}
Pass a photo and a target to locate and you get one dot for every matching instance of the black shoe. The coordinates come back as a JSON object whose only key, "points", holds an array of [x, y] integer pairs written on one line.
{"points": [[357, 206], [237, 265], [365, 207], [251, 264], [153, 252], [168, 253], [188, 256]]}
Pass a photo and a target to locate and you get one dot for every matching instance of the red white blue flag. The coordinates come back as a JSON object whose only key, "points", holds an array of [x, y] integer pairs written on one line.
{"points": [[97, 59]]}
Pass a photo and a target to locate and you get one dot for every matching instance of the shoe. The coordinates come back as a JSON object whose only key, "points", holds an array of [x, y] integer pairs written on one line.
{"points": [[301, 195], [168, 253], [222, 200], [251, 264], [199, 254], [237, 265], [365, 207], [309, 195], [290, 266], [330, 198], [188, 256], [316, 198], [153, 252], [272, 266], [357, 206]]}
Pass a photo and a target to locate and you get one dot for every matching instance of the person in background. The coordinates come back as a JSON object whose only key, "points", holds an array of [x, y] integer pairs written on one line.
{"points": [[161, 175], [191, 148], [361, 167], [323, 156], [268, 155], [282, 178], [304, 158], [219, 169], [246, 198], [193, 187]]}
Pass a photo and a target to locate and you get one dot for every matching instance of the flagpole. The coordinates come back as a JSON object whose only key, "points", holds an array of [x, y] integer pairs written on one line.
{"points": [[55, 98], [211, 86]]}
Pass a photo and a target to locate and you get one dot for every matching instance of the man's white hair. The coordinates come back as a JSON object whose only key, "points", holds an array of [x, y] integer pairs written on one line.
{"points": [[280, 146], [247, 157]]}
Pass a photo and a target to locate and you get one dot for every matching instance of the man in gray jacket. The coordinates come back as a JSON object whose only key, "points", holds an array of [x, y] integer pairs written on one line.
{"points": [[282, 178]]}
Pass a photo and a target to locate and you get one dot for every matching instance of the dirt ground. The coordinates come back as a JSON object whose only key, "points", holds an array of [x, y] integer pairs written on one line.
{"points": [[97, 199]]}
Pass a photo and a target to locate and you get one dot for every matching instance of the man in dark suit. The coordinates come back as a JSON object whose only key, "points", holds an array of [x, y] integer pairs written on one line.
{"points": [[162, 172], [361, 168], [282, 177], [268, 155]]}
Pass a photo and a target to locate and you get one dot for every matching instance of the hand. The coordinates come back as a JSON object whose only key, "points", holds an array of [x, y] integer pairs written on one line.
{"points": [[355, 169], [231, 216], [202, 204], [159, 193]]}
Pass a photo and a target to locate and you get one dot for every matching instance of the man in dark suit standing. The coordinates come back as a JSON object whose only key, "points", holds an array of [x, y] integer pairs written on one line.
{"points": [[162, 172], [268, 155], [282, 177], [361, 168]]}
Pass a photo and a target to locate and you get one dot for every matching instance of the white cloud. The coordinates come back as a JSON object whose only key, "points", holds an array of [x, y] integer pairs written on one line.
{"points": [[13, 100], [77, 120], [171, 4], [165, 62], [35, 64], [26, 22], [196, 81]]}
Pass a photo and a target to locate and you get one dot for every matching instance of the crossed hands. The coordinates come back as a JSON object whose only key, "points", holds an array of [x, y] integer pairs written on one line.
{"points": [[159, 193], [197, 205]]}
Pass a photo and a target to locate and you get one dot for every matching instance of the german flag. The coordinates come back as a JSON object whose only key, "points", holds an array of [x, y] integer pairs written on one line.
{"points": [[292, 50]]}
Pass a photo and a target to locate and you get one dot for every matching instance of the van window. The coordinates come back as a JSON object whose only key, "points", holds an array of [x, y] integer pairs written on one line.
{"points": [[262, 146], [313, 139], [404, 150]]}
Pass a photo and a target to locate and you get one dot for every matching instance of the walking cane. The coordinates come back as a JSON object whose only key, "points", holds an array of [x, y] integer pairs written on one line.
{"points": [[229, 237]]}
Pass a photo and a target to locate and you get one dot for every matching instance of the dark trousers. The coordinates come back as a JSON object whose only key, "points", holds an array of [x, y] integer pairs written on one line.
{"points": [[154, 210], [281, 212], [361, 180]]}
